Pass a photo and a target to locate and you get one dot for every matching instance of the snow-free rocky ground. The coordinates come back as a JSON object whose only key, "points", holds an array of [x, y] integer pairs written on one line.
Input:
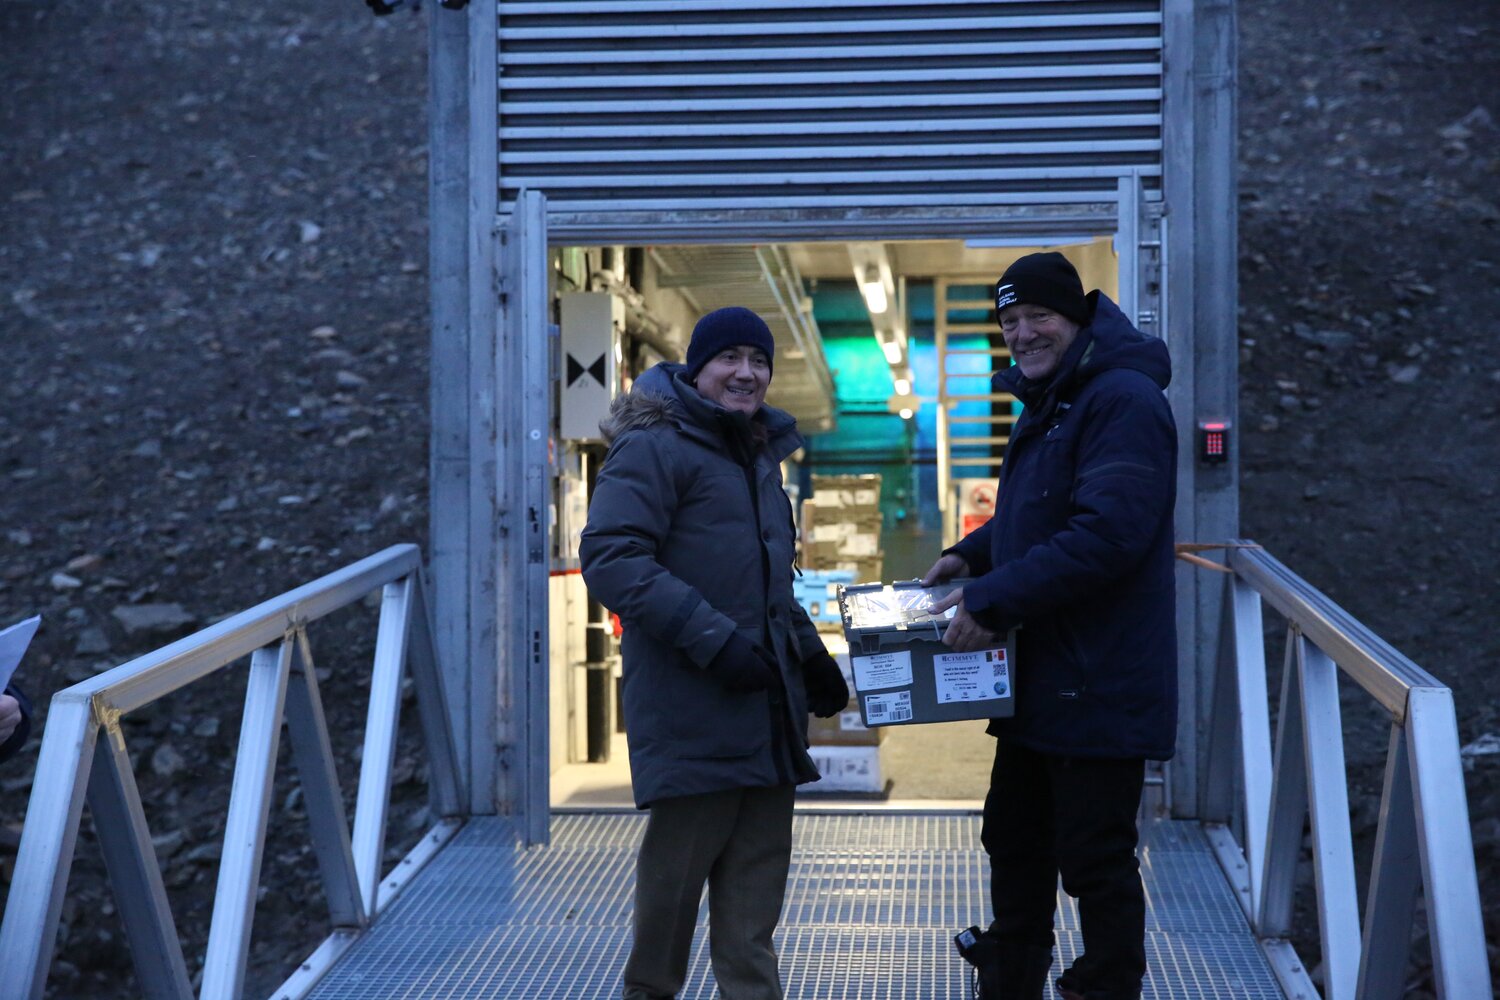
{"points": [[213, 328]]}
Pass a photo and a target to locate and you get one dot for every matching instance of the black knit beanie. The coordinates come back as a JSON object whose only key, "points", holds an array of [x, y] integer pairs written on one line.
{"points": [[1043, 279], [725, 328]]}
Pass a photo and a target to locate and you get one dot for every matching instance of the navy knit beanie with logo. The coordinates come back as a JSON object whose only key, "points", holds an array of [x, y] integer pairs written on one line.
{"points": [[726, 328], [1043, 279]]}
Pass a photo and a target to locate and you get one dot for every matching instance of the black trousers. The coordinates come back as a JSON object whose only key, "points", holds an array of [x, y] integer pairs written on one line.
{"points": [[1047, 816]]}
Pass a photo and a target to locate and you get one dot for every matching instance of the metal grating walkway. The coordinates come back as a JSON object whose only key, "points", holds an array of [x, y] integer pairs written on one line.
{"points": [[872, 904]]}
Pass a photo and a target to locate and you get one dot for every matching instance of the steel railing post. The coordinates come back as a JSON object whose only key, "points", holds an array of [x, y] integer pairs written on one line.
{"points": [[32, 910], [447, 791], [328, 824], [245, 826], [1328, 803], [1288, 806], [379, 755], [1395, 876], [1460, 960], [134, 873]]}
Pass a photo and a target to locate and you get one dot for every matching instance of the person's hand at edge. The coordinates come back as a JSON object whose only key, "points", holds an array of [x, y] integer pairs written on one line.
{"points": [[10, 716], [827, 691], [946, 568], [743, 666]]}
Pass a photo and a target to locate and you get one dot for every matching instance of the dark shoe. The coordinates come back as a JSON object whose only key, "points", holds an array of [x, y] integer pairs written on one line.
{"points": [[1070, 983], [1073, 985], [1006, 970]]}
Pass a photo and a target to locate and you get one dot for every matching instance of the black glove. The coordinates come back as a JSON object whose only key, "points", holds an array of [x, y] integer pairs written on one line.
{"points": [[827, 694], [743, 666]]}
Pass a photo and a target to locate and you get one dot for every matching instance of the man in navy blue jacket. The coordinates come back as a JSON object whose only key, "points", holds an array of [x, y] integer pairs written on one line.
{"points": [[1079, 553]]}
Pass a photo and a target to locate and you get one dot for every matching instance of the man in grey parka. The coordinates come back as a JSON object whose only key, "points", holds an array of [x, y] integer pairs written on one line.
{"points": [[690, 540]]}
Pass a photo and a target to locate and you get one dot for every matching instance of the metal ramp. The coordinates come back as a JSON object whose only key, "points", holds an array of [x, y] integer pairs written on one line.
{"points": [[871, 907]]}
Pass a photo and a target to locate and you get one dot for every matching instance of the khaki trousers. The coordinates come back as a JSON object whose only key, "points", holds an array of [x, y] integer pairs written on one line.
{"points": [[740, 843]]}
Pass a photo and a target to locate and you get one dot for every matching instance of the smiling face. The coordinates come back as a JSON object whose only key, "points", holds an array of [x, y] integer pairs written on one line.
{"points": [[736, 378], [1037, 337]]}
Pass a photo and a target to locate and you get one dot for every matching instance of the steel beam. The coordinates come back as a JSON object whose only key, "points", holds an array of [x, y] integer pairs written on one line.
{"points": [[33, 907], [381, 721], [450, 396], [445, 780], [1328, 802], [523, 410], [1395, 876], [1460, 960], [245, 827], [134, 872], [328, 824], [1288, 806]]}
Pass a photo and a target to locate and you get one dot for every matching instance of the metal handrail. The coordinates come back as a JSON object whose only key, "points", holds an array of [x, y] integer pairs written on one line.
{"points": [[1266, 797], [77, 766]]}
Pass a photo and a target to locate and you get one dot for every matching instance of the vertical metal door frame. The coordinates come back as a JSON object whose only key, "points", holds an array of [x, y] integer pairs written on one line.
{"points": [[1128, 247], [1200, 303], [463, 152], [523, 408]]}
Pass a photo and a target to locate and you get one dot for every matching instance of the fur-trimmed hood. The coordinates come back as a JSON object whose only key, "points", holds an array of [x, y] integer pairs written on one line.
{"points": [[634, 410]]}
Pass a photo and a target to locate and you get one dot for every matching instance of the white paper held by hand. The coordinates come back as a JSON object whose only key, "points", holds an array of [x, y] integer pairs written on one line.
{"points": [[13, 643]]}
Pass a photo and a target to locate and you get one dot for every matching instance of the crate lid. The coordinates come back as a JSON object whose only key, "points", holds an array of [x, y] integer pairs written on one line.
{"points": [[894, 607]]}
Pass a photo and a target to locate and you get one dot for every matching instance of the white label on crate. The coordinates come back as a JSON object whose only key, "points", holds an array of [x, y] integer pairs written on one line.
{"points": [[977, 676], [851, 722], [881, 709], [883, 670]]}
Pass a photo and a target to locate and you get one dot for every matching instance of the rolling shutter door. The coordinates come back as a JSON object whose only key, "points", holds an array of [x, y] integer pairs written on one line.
{"points": [[758, 108]]}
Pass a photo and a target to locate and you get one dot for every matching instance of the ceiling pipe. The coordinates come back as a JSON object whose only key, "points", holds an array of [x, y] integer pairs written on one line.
{"points": [[640, 322]]}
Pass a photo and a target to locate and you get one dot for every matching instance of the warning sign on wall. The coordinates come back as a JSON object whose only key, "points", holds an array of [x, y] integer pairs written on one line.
{"points": [[976, 505]]}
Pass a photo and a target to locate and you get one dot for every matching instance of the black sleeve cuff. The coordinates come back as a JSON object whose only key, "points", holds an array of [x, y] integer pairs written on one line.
{"points": [[994, 620]]}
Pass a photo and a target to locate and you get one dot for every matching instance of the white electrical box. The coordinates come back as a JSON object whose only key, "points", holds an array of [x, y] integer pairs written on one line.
{"points": [[592, 323]]}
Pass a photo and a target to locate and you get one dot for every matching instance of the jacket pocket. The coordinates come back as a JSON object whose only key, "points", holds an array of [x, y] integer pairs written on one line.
{"points": [[716, 723], [1068, 673]]}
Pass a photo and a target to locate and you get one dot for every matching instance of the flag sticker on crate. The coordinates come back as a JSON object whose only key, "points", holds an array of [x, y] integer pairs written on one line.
{"points": [[887, 708]]}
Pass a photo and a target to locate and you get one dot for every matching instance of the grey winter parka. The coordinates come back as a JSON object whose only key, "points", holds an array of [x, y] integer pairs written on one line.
{"points": [[679, 546]]}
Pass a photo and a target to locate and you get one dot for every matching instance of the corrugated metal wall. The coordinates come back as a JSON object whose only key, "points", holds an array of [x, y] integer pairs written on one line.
{"points": [[763, 106]]}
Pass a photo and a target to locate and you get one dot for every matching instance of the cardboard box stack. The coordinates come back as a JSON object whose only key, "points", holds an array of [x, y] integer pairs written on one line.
{"points": [[841, 545], [841, 526], [845, 751]]}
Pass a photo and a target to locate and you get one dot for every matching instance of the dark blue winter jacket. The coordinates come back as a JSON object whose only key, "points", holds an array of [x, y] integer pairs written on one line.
{"points": [[1080, 548]]}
